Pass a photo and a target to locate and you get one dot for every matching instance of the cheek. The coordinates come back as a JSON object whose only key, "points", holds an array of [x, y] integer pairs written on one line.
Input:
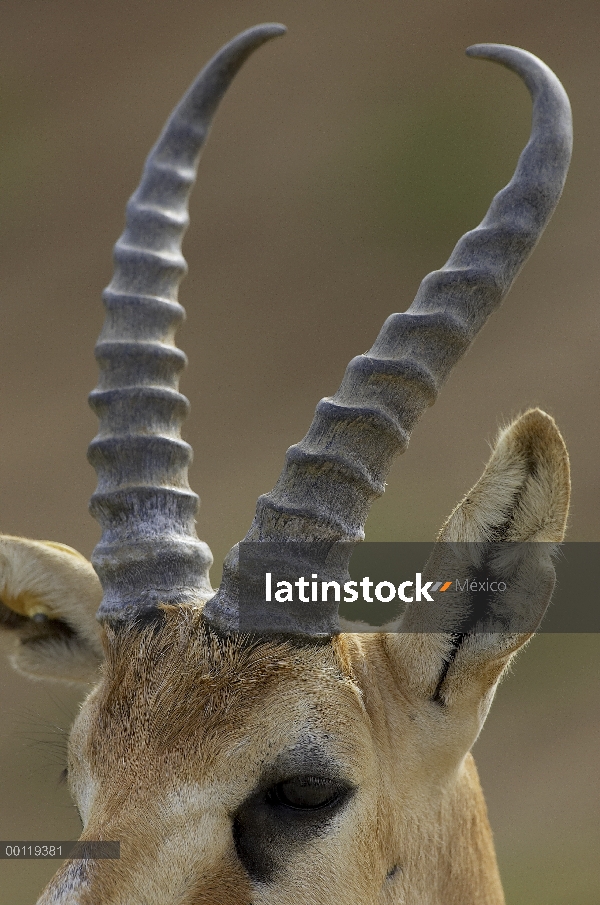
{"points": [[82, 785], [227, 884], [83, 793]]}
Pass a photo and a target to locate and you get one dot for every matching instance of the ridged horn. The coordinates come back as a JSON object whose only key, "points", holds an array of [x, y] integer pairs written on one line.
{"points": [[331, 477], [149, 551]]}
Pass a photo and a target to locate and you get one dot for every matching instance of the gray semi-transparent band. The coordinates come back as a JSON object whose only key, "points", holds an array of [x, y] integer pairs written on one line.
{"points": [[457, 588]]}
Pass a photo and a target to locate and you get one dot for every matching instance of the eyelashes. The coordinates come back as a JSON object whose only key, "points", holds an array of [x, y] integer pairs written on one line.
{"points": [[307, 793]]}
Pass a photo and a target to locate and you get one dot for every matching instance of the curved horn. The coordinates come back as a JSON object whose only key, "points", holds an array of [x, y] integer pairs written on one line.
{"points": [[331, 477], [149, 551]]}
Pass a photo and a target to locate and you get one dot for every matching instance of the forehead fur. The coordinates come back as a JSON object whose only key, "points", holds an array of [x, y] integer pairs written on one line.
{"points": [[180, 678]]}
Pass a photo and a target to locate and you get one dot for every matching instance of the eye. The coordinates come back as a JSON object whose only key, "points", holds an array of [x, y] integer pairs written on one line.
{"points": [[306, 793]]}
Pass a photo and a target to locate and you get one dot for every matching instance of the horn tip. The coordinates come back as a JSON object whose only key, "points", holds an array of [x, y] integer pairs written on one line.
{"points": [[267, 30], [276, 27], [508, 55], [501, 53], [485, 50]]}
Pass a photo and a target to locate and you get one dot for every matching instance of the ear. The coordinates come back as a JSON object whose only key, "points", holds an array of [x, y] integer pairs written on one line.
{"points": [[49, 595], [522, 497]]}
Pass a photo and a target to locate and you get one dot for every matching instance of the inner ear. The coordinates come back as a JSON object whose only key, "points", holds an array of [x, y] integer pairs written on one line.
{"points": [[49, 596], [522, 498], [456, 640]]}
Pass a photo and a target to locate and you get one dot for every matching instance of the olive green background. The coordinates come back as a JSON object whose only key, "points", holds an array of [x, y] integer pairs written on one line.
{"points": [[345, 163]]}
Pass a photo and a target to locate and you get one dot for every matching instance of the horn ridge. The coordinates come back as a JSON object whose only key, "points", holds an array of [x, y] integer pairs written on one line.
{"points": [[318, 498], [149, 552]]}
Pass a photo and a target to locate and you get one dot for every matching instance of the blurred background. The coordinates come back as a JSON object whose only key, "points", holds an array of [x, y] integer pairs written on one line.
{"points": [[345, 163]]}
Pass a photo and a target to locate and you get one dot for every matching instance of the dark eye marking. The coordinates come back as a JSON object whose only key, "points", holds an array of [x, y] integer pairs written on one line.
{"points": [[64, 774], [299, 799], [279, 818]]}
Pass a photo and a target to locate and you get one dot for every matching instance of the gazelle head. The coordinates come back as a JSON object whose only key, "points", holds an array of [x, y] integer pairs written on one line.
{"points": [[305, 763]]}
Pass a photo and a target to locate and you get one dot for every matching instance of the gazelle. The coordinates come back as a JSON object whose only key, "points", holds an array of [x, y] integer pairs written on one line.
{"points": [[307, 764]]}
